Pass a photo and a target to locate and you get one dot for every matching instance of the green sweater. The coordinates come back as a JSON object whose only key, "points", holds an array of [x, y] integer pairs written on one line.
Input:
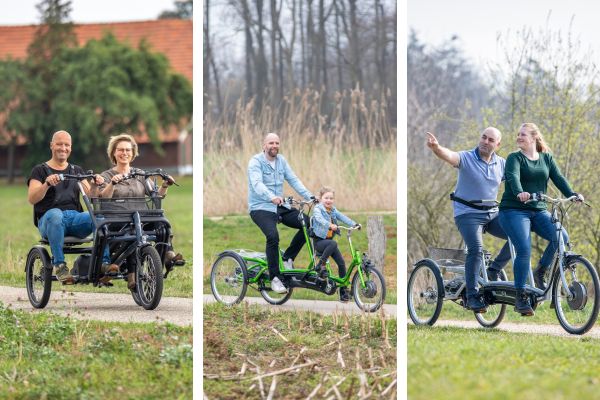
{"points": [[524, 175]]}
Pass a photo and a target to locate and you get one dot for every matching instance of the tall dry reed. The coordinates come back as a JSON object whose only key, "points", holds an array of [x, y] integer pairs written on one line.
{"points": [[352, 148]]}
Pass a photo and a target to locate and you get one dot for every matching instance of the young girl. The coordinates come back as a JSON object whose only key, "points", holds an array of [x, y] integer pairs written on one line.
{"points": [[324, 224]]}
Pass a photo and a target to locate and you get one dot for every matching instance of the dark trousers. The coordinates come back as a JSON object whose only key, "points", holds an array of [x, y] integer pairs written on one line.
{"points": [[329, 248], [267, 222], [471, 227]]}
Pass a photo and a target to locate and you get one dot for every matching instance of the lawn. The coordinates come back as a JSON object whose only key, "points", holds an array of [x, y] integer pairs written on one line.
{"points": [[248, 350], [239, 232], [455, 363], [45, 356], [18, 235]]}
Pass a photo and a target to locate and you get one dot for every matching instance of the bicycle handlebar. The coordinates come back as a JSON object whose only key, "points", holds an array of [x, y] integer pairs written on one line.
{"points": [[148, 174], [79, 177], [538, 196], [351, 228], [291, 201]]}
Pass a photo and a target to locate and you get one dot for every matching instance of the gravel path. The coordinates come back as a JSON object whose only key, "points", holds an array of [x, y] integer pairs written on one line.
{"points": [[116, 307], [318, 306], [554, 330]]}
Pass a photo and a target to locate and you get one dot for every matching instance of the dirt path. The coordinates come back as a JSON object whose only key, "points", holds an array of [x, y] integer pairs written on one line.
{"points": [[554, 330], [116, 307], [318, 306]]}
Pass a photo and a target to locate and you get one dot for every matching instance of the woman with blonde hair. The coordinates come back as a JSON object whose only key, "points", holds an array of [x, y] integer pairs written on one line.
{"points": [[528, 171], [122, 150]]}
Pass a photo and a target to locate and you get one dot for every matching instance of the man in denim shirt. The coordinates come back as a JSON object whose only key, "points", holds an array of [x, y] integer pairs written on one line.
{"points": [[266, 173], [480, 172]]}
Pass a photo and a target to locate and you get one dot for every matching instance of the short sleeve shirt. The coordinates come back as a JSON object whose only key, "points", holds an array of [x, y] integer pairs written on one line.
{"points": [[477, 180], [64, 196], [134, 187]]}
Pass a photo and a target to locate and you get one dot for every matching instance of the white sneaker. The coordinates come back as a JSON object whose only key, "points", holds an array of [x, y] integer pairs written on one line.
{"points": [[288, 264], [277, 286]]}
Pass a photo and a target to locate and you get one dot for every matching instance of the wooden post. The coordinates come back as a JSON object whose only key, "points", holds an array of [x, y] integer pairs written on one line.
{"points": [[377, 240]]}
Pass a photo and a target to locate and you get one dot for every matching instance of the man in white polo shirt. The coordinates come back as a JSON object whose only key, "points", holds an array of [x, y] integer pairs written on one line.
{"points": [[480, 172]]}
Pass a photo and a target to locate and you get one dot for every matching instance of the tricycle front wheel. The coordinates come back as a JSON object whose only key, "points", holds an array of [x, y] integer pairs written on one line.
{"points": [[369, 296]]}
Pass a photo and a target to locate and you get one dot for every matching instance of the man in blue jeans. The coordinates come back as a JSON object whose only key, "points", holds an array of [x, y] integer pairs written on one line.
{"points": [[480, 172], [266, 173], [57, 211]]}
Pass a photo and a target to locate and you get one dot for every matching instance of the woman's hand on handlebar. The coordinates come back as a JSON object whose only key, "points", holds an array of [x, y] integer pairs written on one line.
{"points": [[98, 179], [117, 178], [168, 181], [277, 200], [524, 196]]}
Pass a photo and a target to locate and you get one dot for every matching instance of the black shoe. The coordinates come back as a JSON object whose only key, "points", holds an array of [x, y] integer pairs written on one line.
{"points": [[538, 277], [522, 304], [344, 295], [475, 304], [493, 275]]}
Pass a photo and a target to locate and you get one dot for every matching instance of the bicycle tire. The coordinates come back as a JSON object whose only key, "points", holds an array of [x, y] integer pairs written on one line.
{"points": [[425, 293], [496, 311], [229, 278], [586, 289], [38, 277]]}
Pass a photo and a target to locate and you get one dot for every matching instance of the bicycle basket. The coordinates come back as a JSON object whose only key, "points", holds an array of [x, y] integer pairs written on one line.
{"points": [[447, 257], [126, 203]]}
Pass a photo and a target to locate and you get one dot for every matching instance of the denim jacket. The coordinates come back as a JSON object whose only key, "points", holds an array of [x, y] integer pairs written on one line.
{"points": [[321, 219], [266, 182]]}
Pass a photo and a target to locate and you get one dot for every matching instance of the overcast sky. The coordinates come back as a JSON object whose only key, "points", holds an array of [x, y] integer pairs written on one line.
{"points": [[23, 12], [478, 22]]}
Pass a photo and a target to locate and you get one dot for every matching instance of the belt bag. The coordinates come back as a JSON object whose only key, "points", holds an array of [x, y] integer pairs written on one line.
{"points": [[471, 203]]}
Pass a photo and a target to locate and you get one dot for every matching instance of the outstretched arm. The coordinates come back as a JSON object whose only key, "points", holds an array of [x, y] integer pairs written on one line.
{"points": [[451, 157]]}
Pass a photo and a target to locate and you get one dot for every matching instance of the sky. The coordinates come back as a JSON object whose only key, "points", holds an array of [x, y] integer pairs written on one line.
{"points": [[477, 23], [24, 12]]}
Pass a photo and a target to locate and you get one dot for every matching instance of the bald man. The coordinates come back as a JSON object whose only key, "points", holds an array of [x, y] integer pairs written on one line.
{"points": [[57, 211], [266, 173], [480, 172]]}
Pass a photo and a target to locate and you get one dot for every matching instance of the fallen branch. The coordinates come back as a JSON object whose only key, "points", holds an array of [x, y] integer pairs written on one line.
{"points": [[285, 370], [280, 335]]}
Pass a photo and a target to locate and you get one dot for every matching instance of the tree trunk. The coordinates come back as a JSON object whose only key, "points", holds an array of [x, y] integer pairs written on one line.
{"points": [[273, 39], [10, 162], [261, 65], [377, 240], [338, 48], [249, 56], [206, 58]]}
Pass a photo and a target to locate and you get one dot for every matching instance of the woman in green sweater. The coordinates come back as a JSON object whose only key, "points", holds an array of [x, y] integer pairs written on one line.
{"points": [[527, 171]]}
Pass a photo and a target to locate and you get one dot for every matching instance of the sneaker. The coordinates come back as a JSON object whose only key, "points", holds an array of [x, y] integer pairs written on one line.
{"points": [[62, 274], [171, 259], [522, 304], [277, 286], [288, 264], [475, 304]]}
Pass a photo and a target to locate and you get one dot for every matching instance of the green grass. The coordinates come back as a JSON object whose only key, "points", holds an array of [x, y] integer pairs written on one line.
{"points": [[18, 235], [245, 337], [239, 232], [48, 356], [455, 363]]}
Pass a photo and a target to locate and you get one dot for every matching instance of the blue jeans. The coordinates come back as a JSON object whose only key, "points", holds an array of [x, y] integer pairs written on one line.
{"points": [[55, 224], [471, 227], [518, 225]]}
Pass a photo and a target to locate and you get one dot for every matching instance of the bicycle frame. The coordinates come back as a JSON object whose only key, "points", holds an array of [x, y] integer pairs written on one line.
{"points": [[257, 266]]}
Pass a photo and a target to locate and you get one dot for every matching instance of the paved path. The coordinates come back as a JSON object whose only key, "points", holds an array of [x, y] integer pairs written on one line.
{"points": [[554, 330], [318, 306], [118, 307]]}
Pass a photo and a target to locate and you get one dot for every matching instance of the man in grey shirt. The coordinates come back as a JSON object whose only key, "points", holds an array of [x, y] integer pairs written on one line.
{"points": [[480, 172]]}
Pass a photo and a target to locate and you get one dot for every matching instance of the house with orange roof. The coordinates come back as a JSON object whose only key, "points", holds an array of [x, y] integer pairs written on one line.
{"points": [[172, 37]]}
